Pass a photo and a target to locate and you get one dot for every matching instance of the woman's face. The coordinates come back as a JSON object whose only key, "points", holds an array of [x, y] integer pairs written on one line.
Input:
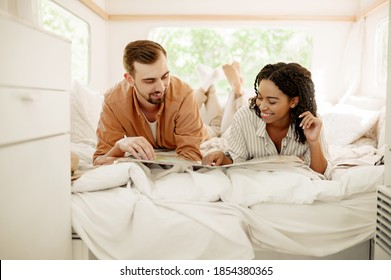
{"points": [[274, 105]]}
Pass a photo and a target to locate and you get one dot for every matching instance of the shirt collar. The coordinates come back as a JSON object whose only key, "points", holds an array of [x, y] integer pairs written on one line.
{"points": [[261, 130]]}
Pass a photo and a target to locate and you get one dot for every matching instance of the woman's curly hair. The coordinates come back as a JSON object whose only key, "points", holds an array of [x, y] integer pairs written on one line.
{"points": [[294, 81]]}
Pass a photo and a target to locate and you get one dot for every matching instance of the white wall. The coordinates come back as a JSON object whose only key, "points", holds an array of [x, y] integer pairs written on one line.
{"points": [[329, 40]]}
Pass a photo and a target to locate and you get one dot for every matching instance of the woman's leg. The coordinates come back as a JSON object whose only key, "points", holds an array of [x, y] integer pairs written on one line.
{"points": [[236, 96], [216, 119], [212, 113], [208, 103]]}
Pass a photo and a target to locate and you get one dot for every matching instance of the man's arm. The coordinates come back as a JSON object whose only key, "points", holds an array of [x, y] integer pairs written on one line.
{"points": [[108, 132], [113, 143]]}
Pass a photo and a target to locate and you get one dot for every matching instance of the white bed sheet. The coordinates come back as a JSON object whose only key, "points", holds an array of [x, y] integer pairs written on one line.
{"points": [[120, 223], [181, 216], [320, 229]]}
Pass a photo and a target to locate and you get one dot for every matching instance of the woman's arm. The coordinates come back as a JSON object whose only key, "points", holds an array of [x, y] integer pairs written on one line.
{"points": [[318, 160], [312, 130]]}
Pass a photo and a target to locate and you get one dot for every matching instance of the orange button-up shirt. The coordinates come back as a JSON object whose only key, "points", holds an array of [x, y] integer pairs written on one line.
{"points": [[179, 125]]}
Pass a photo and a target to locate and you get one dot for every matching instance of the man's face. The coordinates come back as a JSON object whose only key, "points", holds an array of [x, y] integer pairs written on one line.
{"points": [[150, 81]]}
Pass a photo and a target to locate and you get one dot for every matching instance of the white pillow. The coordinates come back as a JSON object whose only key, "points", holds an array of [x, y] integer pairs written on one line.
{"points": [[343, 124], [86, 106]]}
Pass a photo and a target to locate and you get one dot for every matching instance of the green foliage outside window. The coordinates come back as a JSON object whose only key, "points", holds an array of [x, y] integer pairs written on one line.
{"points": [[60, 21], [252, 47]]}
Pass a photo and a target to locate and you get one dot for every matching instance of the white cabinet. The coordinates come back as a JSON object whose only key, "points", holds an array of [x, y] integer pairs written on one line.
{"points": [[383, 224], [35, 201], [35, 208]]}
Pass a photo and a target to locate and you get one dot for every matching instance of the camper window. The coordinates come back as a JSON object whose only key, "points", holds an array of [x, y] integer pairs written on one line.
{"points": [[252, 47], [381, 52], [59, 20]]}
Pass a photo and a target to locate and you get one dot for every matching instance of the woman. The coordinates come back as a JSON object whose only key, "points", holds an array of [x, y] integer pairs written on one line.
{"points": [[281, 120]]}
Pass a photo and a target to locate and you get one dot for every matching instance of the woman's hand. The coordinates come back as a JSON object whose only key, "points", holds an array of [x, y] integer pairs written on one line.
{"points": [[216, 159], [311, 125]]}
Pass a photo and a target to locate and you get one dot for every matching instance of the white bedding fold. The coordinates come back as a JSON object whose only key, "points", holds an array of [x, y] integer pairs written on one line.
{"points": [[247, 185], [250, 187]]}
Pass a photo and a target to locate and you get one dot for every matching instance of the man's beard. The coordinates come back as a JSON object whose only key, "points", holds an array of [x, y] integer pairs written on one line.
{"points": [[150, 99]]}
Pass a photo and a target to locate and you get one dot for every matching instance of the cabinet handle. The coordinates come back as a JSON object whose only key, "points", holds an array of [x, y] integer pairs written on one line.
{"points": [[30, 97]]}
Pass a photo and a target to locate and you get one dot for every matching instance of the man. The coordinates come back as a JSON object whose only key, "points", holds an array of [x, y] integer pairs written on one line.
{"points": [[148, 110]]}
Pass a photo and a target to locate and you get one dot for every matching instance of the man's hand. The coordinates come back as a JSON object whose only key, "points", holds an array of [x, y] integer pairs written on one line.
{"points": [[104, 160], [138, 147]]}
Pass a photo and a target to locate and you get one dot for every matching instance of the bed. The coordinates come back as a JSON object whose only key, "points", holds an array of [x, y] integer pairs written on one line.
{"points": [[270, 209]]}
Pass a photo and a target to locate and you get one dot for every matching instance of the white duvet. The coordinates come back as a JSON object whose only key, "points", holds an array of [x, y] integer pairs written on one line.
{"points": [[127, 211]]}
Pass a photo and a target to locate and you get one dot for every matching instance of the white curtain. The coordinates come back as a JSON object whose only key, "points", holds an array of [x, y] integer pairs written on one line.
{"points": [[352, 61]]}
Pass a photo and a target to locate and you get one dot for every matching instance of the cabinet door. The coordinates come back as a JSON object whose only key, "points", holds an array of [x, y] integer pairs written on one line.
{"points": [[27, 114], [33, 58], [35, 211]]}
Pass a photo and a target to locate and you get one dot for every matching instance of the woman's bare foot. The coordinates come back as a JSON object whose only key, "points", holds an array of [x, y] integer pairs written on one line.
{"points": [[233, 78], [201, 96], [209, 76], [236, 65]]}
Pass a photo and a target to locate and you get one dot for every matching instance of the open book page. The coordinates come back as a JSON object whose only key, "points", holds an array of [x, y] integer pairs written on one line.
{"points": [[163, 158], [170, 158]]}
